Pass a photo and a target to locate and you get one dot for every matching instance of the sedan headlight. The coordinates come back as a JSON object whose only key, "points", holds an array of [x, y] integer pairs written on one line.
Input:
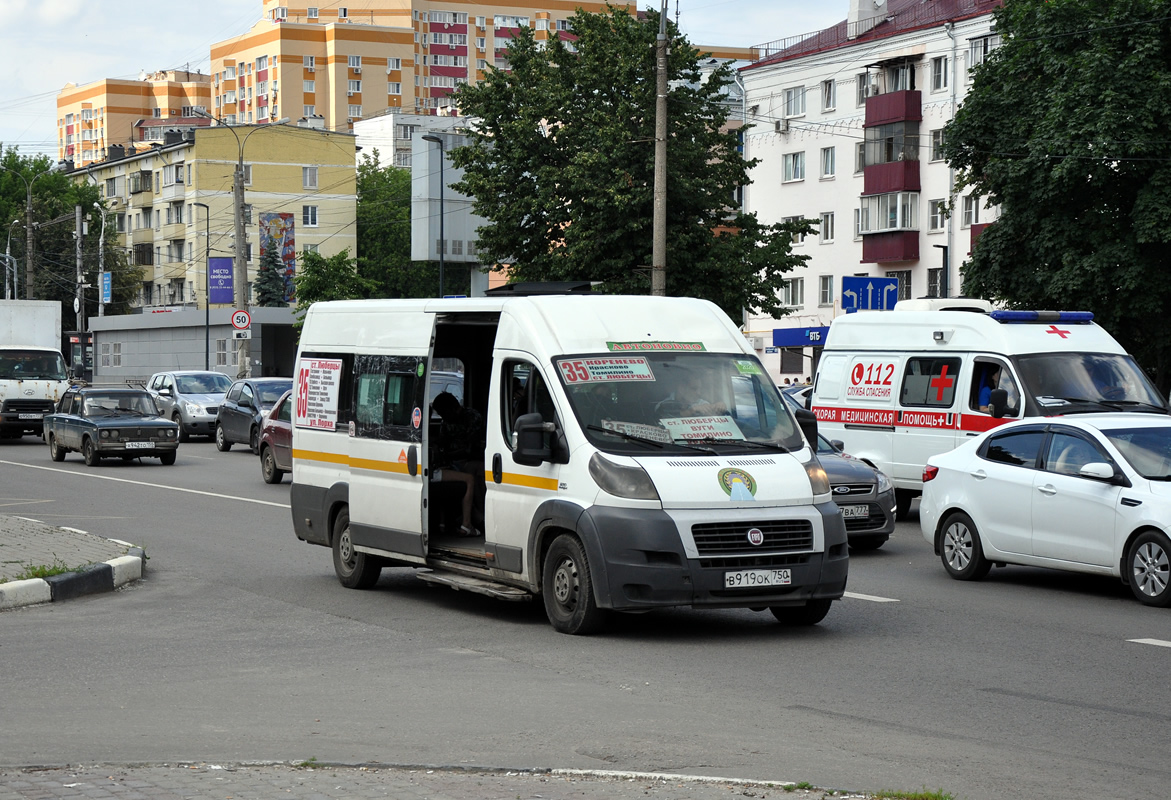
{"points": [[622, 481], [170, 433], [192, 408], [818, 480], [105, 434], [884, 484]]}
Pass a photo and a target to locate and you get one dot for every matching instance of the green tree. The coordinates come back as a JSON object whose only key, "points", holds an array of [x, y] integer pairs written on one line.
{"points": [[270, 278], [384, 230], [55, 196], [1065, 129], [561, 164], [332, 278]]}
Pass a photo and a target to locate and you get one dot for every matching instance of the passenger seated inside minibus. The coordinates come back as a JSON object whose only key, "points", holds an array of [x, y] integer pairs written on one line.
{"points": [[458, 456]]}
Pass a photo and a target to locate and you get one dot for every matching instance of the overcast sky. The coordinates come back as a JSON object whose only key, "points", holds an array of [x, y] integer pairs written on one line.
{"points": [[48, 43]]}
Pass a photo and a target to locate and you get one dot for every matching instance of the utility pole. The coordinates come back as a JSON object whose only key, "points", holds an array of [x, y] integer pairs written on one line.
{"points": [[102, 265], [79, 297], [659, 241], [240, 276]]}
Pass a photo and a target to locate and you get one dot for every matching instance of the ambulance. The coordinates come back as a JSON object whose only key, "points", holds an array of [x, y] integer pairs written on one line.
{"points": [[634, 455], [897, 387]]}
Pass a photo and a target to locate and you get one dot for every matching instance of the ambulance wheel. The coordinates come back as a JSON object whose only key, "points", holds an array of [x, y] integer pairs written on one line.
{"points": [[354, 570], [903, 498], [811, 613], [568, 589], [960, 548]]}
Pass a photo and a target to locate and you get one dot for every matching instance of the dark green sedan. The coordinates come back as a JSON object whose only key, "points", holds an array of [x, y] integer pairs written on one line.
{"points": [[110, 423]]}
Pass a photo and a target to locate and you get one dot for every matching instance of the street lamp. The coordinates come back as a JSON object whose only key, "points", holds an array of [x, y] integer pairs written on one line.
{"points": [[430, 137], [206, 285], [9, 264], [240, 262], [102, 265], [28, 224]]}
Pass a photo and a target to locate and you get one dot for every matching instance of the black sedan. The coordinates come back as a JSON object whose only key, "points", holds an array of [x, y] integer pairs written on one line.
{"points": [[110, 423], [864, 494], [241, 416]]}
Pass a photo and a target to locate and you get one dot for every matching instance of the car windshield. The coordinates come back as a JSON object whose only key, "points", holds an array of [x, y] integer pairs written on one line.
{"points": [[123, 404], [1148, 450], [271, 392], [205, 383], [673, 402], [16, 365], [1058, 380]]}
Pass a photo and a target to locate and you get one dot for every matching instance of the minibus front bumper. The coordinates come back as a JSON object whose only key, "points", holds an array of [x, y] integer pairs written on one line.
{"points": [[638, 560]]}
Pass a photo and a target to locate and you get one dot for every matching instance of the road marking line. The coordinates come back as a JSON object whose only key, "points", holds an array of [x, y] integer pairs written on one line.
{"points": [[1155, 642], [151, 485], [871, 598]]}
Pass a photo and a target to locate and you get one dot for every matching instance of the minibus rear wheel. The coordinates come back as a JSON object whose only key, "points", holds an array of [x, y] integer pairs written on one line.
{"points": [[355, 570], [568, 590]]}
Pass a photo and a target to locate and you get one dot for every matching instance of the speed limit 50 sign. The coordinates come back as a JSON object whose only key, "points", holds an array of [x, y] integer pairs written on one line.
{"points": [[241, 320]]}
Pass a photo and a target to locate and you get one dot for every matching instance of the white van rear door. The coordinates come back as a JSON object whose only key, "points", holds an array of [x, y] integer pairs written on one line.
{"points": [[927, 412]]}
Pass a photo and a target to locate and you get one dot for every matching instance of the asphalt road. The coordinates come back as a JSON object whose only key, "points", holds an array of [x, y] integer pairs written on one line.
{"points": [[240, 645]]}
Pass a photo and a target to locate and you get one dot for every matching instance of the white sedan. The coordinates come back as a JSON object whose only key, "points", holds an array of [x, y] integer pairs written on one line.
{"points": [[1085, 493]]}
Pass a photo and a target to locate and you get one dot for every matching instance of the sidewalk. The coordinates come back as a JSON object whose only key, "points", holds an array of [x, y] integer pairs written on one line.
{"points": [[91, 563], [346, 782]]}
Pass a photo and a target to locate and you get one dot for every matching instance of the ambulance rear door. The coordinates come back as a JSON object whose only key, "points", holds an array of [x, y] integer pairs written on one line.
{"points": [[927, 413]]}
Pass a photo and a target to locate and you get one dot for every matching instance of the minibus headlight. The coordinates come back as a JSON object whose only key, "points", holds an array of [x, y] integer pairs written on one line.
{"points": [[623, 481], [818, 480]]}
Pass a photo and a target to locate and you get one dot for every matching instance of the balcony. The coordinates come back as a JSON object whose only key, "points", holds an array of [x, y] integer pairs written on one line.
{"points": [[977, 229], [894, 176], [174, 230], [891, 246], [893, 107], [143, 236]]}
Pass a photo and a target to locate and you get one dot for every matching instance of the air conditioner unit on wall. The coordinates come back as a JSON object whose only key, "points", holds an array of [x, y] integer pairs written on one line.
{"points": [[349, 94], [782, 125], [357, 70], [757, 342]]}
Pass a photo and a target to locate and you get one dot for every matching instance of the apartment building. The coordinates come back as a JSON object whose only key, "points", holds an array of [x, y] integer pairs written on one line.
{"points": [[106, 112], [304, 176], [848, 126]]}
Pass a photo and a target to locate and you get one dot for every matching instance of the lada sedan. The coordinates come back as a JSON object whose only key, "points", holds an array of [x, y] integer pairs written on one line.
{"points": [[110, 423], [1088, 493]]}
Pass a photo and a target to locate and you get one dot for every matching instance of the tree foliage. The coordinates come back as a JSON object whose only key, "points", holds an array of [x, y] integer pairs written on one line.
{"points": [[1066, 129], [54, 197], [384, 229], [270, 278], [561, 164], [328, 278]]}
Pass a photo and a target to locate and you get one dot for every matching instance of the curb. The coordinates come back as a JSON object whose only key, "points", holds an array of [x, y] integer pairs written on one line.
{"points": [[105, 576]]}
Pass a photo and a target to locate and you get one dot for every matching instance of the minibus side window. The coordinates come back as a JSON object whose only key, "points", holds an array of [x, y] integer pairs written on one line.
{"points": [[525, 392], [930, 382], [387, 392]]}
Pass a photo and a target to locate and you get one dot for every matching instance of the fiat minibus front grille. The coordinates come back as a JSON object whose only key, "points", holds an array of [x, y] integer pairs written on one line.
{"points": [[783, 535]]}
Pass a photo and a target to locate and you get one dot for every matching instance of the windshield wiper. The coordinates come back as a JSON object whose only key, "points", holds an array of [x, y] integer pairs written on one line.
{"points": [[626, 436], [1133, 404], [745, 442], [1073, 401]]}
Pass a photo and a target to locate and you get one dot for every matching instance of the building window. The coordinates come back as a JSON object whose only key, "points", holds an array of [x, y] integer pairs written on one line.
{"points": [[794, 167], [904, 278], [828, 159], [895, 141], [862, 82], [309, 61], [939, 67], [225, 355], [825, 290], [798, 238], [309, 111], [970, 211], [311, 12], [309, 177], [261, 63], [829, 95], [343, 13], [309, 216], [354, 86], [933, 279], [393, 64], [793, 295], [937, 214], [859, 157], [795, 102], [979, 49], [900, 78], [827, 227], [857, 224], [309, 87], [355, 62], [895, 211], [394, 88], [937, 145], [309, 248], [280, 13], [355, 112]]}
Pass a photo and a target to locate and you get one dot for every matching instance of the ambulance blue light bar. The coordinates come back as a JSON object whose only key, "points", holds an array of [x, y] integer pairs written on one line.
{"points": [[1067, 317]]}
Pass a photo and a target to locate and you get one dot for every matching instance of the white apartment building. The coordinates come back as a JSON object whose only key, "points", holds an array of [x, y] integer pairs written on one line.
{"points": [[847, 123]]}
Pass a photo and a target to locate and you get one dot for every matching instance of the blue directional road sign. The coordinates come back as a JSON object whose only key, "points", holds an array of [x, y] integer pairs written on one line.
{"points": [[869, 294]]}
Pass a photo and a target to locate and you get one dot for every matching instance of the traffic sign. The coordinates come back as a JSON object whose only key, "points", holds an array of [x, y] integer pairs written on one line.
{"points": [[869, 294], [241, 320], [245, 334]]}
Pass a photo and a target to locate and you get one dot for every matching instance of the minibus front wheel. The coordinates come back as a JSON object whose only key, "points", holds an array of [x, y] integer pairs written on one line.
{"points": [[567, 588], [354, 570]]}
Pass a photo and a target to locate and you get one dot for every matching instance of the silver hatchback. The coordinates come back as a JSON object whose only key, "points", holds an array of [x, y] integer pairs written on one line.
{"points": [[192, 398]]}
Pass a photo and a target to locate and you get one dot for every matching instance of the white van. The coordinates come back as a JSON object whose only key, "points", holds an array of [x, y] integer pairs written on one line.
{"points": [[601, 483], [899, 386]]}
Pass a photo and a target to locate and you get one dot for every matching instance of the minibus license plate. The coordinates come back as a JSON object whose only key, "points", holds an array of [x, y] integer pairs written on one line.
{"points": [[138, 445], [748, 578], [855, 512]]}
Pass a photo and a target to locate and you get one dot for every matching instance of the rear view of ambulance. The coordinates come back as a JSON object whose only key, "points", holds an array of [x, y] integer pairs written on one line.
{"points": [[635, 455], [898, 387]]}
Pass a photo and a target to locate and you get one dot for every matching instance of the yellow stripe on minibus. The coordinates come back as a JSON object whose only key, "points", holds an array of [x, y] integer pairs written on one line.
{"points": [[517, 479], [353, 463]]}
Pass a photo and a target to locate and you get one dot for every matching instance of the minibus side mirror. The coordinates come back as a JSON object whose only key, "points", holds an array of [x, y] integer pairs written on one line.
{"points": [[807, 422], [530, 430], [997, 402]]}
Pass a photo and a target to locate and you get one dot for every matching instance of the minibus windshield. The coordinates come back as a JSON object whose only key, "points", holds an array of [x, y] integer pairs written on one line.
{"points": [[652, 402], [1092, 380]]}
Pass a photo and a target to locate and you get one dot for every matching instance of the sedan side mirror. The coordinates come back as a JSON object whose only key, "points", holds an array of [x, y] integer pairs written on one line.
{"points": [[1101, 471], [165, 391], [838, 444]]}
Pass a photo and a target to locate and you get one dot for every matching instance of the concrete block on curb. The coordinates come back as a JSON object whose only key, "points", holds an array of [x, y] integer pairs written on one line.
{"points": [[24, 593], [126, 569], [88, 580]]}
